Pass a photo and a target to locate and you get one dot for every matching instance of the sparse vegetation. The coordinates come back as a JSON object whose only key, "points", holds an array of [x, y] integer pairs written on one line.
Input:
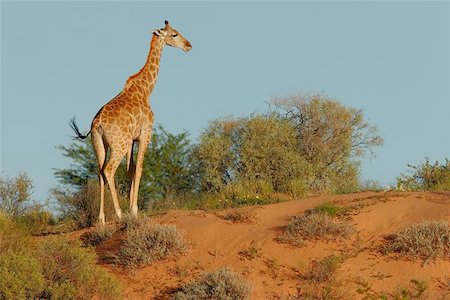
{"points": [[222, 284], [323, 270], [414, 291], [97, 235], [251, 252], [314, 225], [149, 242], [328, 208], [15, 202], [426, 240], [238, 216], [426, 176], [314, 291]]}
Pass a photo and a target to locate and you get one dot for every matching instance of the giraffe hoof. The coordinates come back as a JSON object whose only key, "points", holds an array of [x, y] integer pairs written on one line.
{"points": [[101, 219], [119, 214]]}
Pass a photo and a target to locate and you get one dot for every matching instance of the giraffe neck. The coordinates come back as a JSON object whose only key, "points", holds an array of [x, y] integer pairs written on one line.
{"points": [[146, 77]]}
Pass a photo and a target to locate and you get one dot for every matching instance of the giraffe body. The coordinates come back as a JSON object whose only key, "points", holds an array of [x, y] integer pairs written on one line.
{"points": [[127, 120]]}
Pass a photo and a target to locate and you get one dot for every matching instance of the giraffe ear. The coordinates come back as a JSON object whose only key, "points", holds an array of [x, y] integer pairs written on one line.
{"points": [[157, 32]]}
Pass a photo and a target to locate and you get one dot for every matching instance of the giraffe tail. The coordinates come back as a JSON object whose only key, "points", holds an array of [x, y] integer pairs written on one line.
{"points": [[75, 128]]}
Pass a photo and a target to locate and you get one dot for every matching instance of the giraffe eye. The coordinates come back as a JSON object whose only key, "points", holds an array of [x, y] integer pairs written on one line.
{"points": [[174, 35]]}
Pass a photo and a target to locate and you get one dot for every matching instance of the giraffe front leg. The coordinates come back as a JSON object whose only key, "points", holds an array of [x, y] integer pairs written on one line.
{"points": [[143, 144]]}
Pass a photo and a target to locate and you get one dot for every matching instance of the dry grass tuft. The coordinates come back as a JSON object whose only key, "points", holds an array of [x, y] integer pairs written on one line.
{"points": [[149, 242], [427, 240], [222, 284], [239, 216], [251, 252], [414, 291], [314, 225], [97, 235], [322, 270], [129, 221], [328, 208]]}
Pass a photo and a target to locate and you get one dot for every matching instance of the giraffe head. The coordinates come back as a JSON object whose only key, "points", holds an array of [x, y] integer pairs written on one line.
{"points": [[173, 38]]}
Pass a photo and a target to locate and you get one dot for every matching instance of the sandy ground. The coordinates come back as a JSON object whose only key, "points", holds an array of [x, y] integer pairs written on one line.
{"points": [[275, 272]]}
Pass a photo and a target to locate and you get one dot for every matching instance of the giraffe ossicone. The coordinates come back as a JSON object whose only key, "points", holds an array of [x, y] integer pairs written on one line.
{"points": [[127, 120]]}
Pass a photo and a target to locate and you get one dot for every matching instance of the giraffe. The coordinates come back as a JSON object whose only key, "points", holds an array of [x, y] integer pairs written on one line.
{"points": [[127, 120]]}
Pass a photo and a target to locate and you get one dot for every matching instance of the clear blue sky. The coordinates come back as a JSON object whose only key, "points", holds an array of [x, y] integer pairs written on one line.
{"points": [[392, 59]]}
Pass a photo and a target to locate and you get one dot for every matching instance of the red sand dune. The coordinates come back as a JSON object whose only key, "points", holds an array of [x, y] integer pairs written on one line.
{"points": [[215, 242]]}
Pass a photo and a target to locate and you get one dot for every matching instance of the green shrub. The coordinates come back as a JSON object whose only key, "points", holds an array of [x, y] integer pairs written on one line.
{"points": [[36, 220], [426, 176], [149, 242], [71, 272], [426, 240], [97, 235], [247, 191], [222, 284], [297, 188], [20, 276], [328, 208], [314, 225], [13, 236]]}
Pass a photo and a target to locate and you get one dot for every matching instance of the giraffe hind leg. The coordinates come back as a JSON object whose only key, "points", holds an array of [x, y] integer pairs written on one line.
{"points": [[100, 152], [109, 171], [131, 170]]}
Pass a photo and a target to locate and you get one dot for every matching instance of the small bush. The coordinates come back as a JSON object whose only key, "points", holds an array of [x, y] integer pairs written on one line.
{"points": [[314, 225], [323, 270], [53, 269], [21, 276], [97, 235], [129, 221], [426, 176], [15, 194], [222, 284], [426, 240], [328, 208], [71, 272], [150, 242]]}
